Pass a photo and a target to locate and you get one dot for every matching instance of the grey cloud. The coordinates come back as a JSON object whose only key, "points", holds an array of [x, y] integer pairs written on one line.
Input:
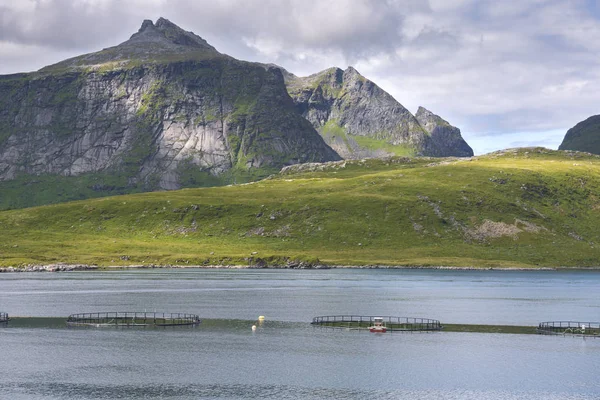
{"points": [[64, 24], [487, 66], [356, 27]]}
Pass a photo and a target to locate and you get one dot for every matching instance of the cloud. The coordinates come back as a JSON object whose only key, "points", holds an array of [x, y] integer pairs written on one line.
{"points": [[489, 67], [60, 24], [482, 144], [356, 27]]}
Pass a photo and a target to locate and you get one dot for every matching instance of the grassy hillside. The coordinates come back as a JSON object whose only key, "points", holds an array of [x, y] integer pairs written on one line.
{"points": [[34, 190], [526, 208]]}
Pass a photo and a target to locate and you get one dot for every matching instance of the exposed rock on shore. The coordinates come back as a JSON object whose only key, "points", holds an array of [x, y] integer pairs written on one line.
{"points": [[50, 268]]}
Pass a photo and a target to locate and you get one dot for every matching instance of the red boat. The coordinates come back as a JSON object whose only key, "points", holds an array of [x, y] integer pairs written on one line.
{"points": [[378, 326]]}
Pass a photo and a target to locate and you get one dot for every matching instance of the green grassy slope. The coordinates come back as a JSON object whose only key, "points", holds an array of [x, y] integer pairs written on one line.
{"points": [[526, 208]]}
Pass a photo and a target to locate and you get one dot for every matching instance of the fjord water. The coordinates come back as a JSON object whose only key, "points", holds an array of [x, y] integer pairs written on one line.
{"points": [[286, 357]]}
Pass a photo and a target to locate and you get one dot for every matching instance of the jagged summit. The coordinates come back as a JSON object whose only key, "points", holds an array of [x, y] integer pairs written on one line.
{"points": [[167, 34], [442, 136], [429, 120], [160, 42], [359, 119]]}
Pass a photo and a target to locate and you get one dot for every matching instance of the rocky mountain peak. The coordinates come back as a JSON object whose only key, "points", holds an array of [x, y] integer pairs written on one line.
{"points": [[350, 71], [359, 119], [160, 41], [444, 139], [424, 112], [146, 24], [168, 33], [428, 120]]}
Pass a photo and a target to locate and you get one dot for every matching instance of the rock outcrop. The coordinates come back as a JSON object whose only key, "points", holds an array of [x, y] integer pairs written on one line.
{"points": [[166, 110], [585, 136], [359, 119], [444, 139], [162, 108]]}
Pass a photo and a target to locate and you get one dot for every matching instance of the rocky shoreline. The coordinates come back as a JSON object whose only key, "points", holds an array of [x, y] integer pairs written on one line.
{"points": [[49, 268], [60, 267]]}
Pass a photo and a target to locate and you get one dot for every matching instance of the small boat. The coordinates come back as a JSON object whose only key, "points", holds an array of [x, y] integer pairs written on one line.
{"points": [[378, 326]]}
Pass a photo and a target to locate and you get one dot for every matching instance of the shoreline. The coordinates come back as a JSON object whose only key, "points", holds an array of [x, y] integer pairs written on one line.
{"points": [[64, 267]]}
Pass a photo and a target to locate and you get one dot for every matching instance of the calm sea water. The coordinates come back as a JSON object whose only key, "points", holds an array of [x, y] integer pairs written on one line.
{"points": [[286, 358]]}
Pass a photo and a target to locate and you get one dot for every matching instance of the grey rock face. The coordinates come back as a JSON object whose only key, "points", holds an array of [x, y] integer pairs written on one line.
{"points": [[150, 121], [585, 136], [165, 106], [359, 108], [444, 139]]}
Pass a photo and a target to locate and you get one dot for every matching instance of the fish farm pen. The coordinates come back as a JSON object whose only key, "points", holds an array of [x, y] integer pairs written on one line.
{"points": [[575, 328], [3, 318], [132, 319], [393, 324]]}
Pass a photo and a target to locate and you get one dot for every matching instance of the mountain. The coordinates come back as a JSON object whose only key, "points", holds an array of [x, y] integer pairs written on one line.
{"points": [[166, 110], [359, 119], [163, 110], [585, 136]]}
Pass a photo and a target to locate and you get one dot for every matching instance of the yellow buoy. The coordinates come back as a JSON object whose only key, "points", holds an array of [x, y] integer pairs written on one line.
{"points": [[261, 318]]}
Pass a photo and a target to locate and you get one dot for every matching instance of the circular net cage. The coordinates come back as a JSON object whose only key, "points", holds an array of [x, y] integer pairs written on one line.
{"points": [[575, 328], [133, 319], [392, 324], [3, 318]]}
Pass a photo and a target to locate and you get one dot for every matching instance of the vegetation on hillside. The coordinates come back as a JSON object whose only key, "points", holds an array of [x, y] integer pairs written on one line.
{"points": [[517, 208]]}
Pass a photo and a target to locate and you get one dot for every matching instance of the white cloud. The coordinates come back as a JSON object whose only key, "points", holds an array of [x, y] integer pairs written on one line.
{"points": [[490, 67]]}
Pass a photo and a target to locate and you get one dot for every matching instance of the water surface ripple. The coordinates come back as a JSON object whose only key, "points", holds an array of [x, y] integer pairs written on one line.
{"points": [[287, 358]]}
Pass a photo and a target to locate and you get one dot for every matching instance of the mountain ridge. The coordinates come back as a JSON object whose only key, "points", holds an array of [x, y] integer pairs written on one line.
{"points": [[154, 125], [354, 115], [165, 110]]}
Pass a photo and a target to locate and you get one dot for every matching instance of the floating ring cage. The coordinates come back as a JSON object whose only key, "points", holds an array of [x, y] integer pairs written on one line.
{"points": [[3, 318], [394, 324], [574, 328], [132, 319]]}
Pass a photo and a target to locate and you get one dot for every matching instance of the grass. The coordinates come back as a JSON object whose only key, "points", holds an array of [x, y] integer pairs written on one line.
{"points": [[332, 130], [528, 209], [379, 144]]}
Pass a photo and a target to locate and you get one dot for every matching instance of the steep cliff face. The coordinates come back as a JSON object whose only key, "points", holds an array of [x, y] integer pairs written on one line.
{"points": [[166, 110], [160, 111], [585, 136], [357, 118], [443, 139]]}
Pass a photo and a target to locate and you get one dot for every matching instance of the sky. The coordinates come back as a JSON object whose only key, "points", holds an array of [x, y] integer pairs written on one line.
{"points": [[507, 73]]}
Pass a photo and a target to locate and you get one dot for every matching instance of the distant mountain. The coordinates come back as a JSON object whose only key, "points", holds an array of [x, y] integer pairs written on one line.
{"points": [[585, 136], [163, 110], [359, 119], [166, 110]]}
